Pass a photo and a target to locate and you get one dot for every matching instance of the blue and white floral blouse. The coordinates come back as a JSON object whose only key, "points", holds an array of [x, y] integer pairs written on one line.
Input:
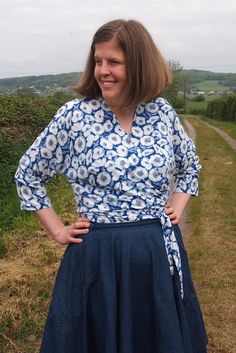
{"points": [[116, 177]]}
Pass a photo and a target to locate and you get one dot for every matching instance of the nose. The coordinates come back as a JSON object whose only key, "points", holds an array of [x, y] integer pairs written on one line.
{"points": [[104, 69]]}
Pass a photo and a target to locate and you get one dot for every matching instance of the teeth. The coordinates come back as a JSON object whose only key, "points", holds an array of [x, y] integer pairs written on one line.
{"points": [[107, 83]]}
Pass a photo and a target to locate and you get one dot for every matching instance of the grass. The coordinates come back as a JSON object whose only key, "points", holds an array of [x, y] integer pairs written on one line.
{"points": [[211, 246], [27, 273], [227, 126]]}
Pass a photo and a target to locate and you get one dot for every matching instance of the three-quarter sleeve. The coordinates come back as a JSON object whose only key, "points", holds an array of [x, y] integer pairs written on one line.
{"points": [[187, 164], [45, 158]]}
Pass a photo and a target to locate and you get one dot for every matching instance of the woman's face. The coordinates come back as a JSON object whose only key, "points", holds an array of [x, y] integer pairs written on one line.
{"points": [[110, 70]]}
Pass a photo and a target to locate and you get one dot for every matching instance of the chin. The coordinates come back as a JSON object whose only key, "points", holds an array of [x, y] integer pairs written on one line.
{"points": [[109, 100]]}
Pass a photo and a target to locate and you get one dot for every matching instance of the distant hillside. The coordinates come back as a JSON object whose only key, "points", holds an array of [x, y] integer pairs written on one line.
{"points": [[48, 83], [196, 77], [40, 83]]}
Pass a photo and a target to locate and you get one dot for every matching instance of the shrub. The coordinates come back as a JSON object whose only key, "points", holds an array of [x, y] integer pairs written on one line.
{"points": [[222, 109]]}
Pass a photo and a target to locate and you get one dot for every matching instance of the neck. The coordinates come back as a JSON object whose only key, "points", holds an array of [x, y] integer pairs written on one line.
{"points": [[125, 118]]}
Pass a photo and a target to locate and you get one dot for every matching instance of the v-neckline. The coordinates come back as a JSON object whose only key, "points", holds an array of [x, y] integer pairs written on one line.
{"points": [[121, 127]]}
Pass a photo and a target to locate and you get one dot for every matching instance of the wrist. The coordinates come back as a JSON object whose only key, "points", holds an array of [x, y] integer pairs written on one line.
{"points": [[50, 221], [57, 232]]}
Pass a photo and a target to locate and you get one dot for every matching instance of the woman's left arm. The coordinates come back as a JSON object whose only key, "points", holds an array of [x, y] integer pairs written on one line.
{"points": [[186, 172]]}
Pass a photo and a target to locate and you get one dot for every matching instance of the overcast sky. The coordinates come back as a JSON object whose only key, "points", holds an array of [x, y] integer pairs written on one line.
{"points": [[53, 36]]}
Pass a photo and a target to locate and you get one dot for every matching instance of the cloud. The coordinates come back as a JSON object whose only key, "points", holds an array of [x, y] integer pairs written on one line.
{"points": [[54, 36]]}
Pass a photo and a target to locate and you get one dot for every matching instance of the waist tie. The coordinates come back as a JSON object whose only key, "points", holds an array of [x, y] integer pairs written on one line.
{"points": [[172, 248]]}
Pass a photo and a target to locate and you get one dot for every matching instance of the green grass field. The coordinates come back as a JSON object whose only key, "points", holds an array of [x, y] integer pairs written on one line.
{"points": [[192, 105], [210, 85]]}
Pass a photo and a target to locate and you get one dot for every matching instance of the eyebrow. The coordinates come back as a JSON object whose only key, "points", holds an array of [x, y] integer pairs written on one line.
{"points": [[111, 58]]}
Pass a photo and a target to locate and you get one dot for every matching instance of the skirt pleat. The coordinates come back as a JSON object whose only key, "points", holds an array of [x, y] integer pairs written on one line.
{"points": [[114, 294]]}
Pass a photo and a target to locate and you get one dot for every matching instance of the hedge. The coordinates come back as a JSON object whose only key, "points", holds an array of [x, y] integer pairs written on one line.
{"points": [[222, 109]]}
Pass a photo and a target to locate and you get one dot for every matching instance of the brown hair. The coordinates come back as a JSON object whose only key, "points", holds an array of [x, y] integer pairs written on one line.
{"points": [[148, 74]]}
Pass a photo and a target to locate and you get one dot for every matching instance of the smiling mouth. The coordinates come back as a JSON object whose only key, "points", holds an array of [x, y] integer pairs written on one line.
{"points": [[107, 83]]}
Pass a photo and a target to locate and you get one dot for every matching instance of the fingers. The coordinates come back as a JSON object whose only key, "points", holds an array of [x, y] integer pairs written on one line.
{"points": [[69, 234], [175, 221], [169, 210], [79, 228], [81, 224], [73, 240], [171, 214]]}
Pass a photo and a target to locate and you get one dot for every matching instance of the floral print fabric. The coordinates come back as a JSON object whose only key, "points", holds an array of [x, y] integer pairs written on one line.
{"points": [[115, 176]]}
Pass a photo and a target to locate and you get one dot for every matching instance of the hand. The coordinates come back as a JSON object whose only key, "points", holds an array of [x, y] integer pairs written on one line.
{"points": [[174, 218], [68, 234]]}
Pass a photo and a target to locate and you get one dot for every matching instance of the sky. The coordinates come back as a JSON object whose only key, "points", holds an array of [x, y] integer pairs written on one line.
{"points": [[40, 37]]}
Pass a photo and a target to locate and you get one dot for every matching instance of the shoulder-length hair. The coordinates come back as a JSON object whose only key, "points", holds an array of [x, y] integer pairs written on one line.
{"points": [[148, 75]]}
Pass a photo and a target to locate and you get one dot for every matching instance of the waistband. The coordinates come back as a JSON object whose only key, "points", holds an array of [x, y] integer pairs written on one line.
{"points": [[117, 225]]}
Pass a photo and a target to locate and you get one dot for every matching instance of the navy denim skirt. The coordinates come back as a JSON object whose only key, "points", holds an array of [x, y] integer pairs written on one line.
{"points": [[114, 294]]}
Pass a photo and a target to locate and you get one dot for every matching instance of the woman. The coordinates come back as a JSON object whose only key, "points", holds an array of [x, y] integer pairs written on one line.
{"points": [[124, 284]]}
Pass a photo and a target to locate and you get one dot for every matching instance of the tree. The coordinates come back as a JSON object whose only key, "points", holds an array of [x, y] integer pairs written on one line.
{"points": [[199, 98], [172, 93], [27, 92]]}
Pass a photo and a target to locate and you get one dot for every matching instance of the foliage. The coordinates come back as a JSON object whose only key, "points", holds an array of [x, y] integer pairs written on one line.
{"points": [[30, 111], [171, 94], [229, 81], [199, 98], [21, 120], [223, 108], [26, 92]]}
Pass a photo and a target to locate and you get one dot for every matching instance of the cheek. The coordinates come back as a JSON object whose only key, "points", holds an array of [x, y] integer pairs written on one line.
{"points": [[124, 76], [96, 73]]}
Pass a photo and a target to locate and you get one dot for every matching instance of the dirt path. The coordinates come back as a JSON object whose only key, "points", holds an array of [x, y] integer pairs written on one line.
{"points": [[226, 137], [191, 130]]}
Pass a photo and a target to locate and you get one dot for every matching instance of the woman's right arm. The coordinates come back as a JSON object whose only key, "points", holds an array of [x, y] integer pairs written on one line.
{"points": [[61, 233], [45, 158]]}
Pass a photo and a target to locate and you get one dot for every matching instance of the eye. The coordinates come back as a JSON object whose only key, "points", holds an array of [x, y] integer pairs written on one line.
{"points": [[97, 61], [114, 62]]}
